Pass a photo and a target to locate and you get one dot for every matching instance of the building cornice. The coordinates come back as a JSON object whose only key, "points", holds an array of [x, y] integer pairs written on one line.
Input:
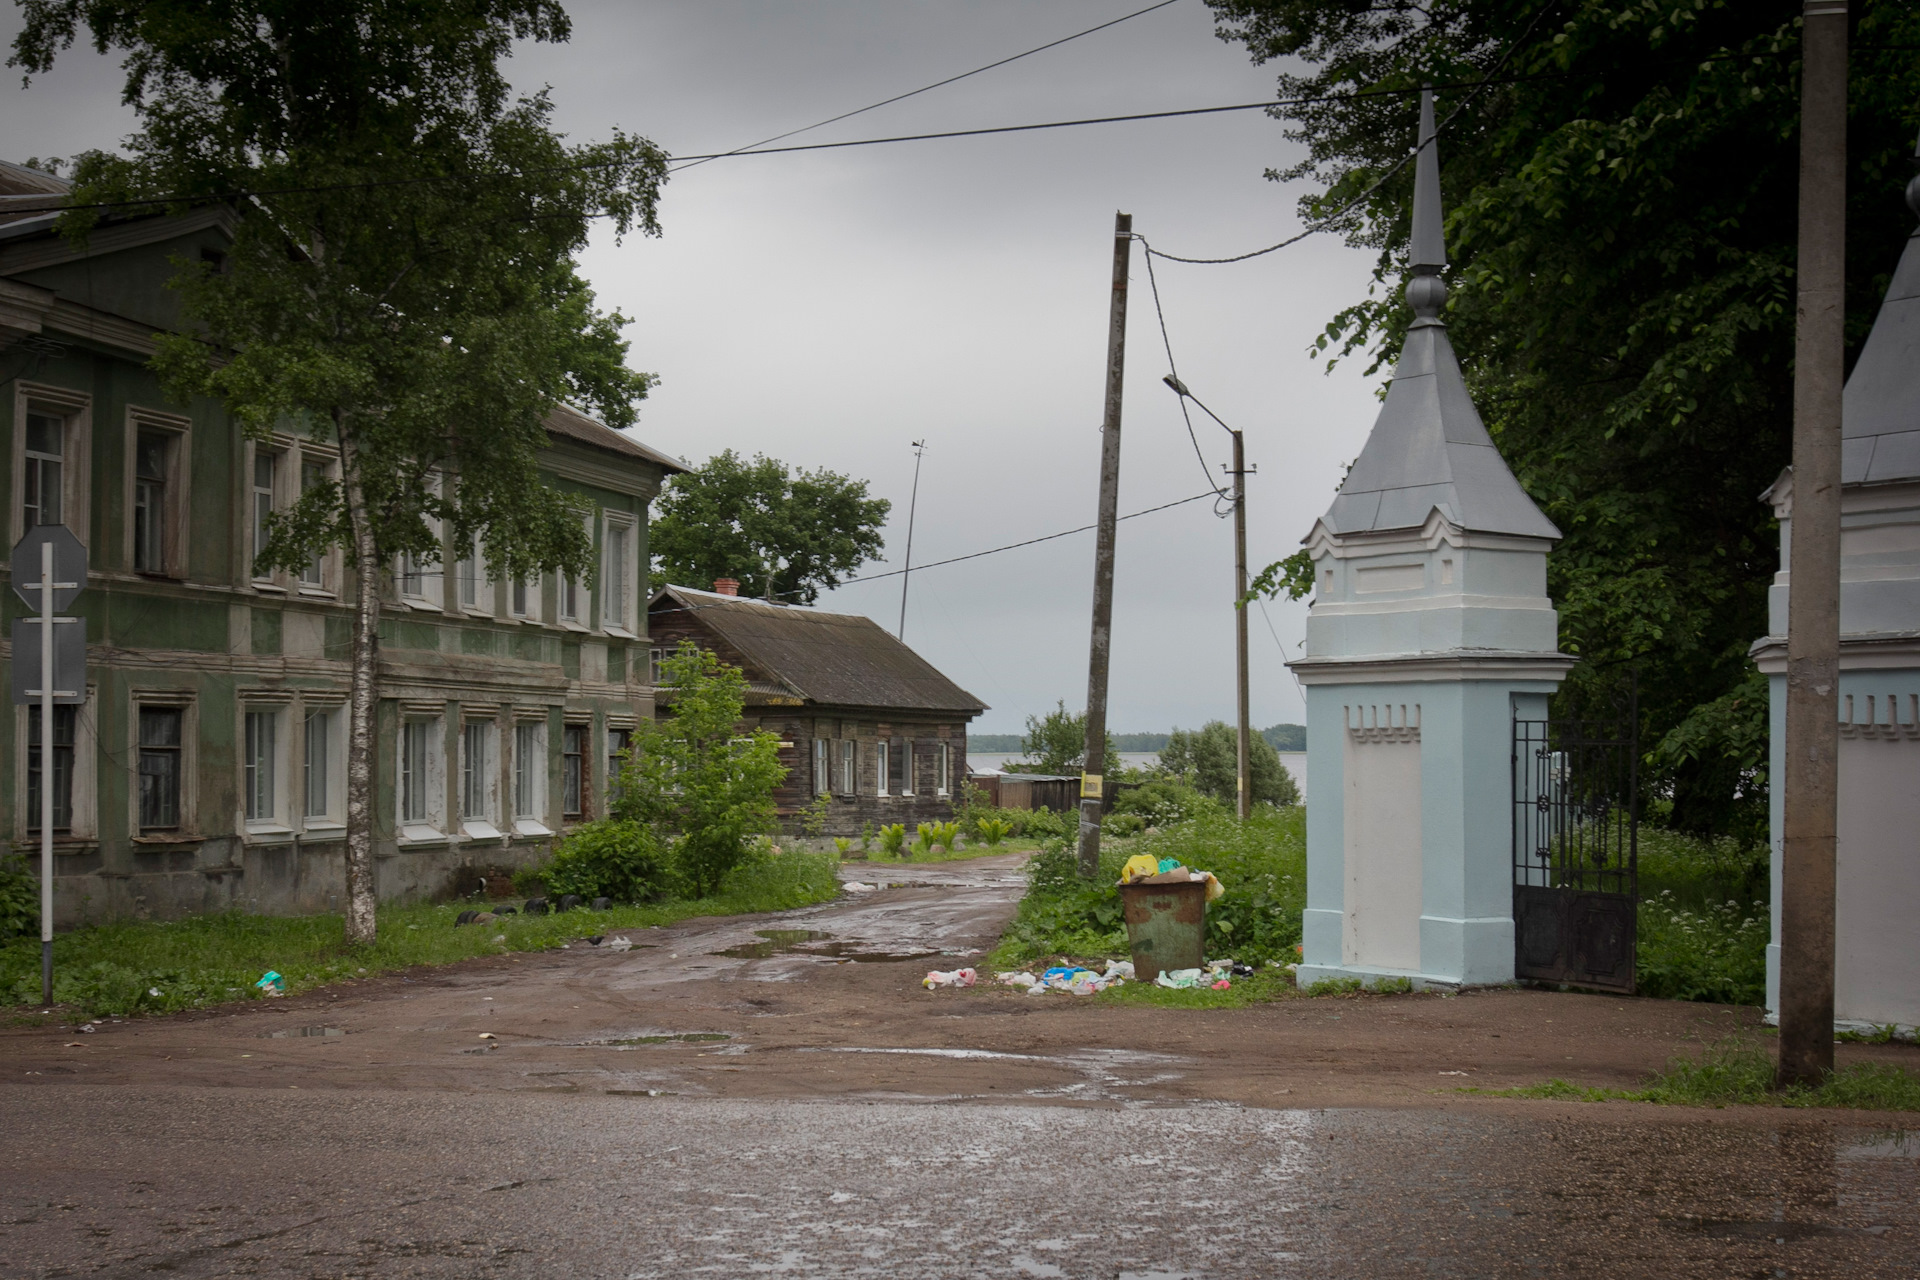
{"points": [[1859, 651], [1446, 665], [1430, 536]]}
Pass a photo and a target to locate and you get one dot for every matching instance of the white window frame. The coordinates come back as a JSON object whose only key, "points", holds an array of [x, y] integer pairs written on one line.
{"points": [[431, 786], [419, 585], [907, 762], [585, 812], [849, 767], [614, 727], [882, 761], [618, 580], [271, 819], [187, 704], [329, 822], [479, 777], [942, 768], [471, 571], [529, 781], [528, 609], [75, 412], [822, 766], [329, 561], [178, 472], [83, 790], [278, 455], [573, 599]]}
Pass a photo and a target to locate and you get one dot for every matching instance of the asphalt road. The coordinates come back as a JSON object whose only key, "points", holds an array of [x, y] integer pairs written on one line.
{"points": [[832, 1119]]}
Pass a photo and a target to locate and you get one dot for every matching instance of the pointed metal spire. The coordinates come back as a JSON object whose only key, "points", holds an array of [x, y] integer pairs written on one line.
{"points": [[1426, 292], [1880, 414], [1913, 183]]}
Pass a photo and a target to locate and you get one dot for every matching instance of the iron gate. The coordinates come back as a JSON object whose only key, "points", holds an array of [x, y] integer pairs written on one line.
{"points": [[1576, 850]]}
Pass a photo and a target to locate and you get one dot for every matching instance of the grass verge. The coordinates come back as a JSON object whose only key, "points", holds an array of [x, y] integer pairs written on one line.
{"points": [[962, 854], [162, 966], [1737, 1072]]}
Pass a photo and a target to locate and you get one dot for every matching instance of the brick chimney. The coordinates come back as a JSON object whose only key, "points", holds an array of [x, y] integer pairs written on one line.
{"points": [[727, 586]]}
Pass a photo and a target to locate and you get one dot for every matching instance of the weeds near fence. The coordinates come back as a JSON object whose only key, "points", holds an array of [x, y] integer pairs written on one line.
{"points": [[1735, 1072]]}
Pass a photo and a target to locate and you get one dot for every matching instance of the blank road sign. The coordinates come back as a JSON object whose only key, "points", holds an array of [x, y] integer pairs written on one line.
{"points": [[69, 661], [69, 565]]}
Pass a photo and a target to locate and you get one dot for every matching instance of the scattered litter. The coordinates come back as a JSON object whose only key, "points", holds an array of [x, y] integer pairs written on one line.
{"points": [[1453, 1073], [1017, 979], [273, 984], [86, 1027], [488, 1035], [499, 937], [952, 978], [1216, 976], [74, 1044], [620, 944], [857, 886], [1143, 869], [1071, 978], [154, 992], [597, 939]]}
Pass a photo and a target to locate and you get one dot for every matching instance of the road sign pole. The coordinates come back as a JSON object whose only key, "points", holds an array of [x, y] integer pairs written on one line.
{"points": [[46, 774]]}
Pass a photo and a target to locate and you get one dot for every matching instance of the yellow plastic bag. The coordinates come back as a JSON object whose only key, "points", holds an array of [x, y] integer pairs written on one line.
{"points": [[1214, 887], [1139, 865]]}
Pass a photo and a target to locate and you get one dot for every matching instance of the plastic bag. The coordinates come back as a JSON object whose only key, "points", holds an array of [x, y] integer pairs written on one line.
{"points": [[1139, 866], [953, 978]]}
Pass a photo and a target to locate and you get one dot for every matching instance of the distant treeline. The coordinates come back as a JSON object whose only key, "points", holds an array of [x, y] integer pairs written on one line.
{"points": [[1284, 737]]}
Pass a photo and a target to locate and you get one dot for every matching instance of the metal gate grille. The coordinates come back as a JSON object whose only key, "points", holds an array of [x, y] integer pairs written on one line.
{"points": [[1575, 851]]}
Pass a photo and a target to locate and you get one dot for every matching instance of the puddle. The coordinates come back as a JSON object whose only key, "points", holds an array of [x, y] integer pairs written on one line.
{"points": [[294, 1032], [680, 1037], [812, 942]]}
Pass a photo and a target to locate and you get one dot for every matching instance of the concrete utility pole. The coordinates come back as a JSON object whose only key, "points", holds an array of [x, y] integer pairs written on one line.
{"points": [[1245, 778], [913, 506], [1813, 602], [1091, 776]]}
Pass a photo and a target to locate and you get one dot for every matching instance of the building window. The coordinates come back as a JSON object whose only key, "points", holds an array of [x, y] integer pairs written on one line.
{"points": [[265, 465], [64, 721], [822, 782], [886, 767], [619, 744], [417, 578], [527, 759], [45, 469], [476, 769], [313, 474], [655, 671], [416, 785], [316, 769], [942, 768], [523, 597], [573, 755], [568, 591], [150, 505], [159, 766], [904, 771], [257, 772], [472, 580], [616, 585], [848, 764]]}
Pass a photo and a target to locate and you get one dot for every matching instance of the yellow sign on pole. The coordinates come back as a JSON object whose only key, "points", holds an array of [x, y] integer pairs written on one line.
{"points": [[1089, 786]]}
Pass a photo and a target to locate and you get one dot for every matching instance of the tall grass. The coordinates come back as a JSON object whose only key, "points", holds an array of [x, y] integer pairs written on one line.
{"points": [[160, 966], [1738, 1072]]}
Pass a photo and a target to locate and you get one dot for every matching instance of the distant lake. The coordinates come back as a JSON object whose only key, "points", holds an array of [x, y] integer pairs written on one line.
{"points": [[1295, 761]]}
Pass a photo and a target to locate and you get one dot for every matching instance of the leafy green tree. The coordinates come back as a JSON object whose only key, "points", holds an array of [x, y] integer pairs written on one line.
{"points": [[1056, 743], [695, 777], [401, 278], [1208, 759], [1621, 229], [782, 533]]}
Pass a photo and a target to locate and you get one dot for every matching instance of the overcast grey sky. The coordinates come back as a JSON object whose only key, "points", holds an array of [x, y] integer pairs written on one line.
{"points": [[828, 308]]}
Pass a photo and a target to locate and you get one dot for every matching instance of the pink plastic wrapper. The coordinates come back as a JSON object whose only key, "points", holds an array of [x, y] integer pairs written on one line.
{"points": [[955, 978]]}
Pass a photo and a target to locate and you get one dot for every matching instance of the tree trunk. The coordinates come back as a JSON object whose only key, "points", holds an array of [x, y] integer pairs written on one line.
{"points": [[362, 896]]}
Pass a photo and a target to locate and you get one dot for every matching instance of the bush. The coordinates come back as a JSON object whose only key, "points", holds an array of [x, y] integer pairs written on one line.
{"points": [[19, 898], [1718, 953], [1209, 758], [893, 837], [1121, 825], [1162, 802], [619, 860], [991, 831]]}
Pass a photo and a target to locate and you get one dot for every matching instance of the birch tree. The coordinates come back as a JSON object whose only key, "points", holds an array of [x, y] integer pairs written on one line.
{"points": [[401, 280]]}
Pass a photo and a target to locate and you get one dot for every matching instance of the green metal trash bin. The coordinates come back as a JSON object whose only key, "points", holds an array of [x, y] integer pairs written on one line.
{"points": [[1166, 926]]}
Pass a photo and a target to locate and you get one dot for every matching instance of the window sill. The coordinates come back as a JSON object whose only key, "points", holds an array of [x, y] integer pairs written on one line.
{"points": [[413, 602], [310, 592], [273, 588], [168, 837], [260, 833], [481, 829], [622, 633], [529, 827], [414, 833], [567, 624], [326, 827]]}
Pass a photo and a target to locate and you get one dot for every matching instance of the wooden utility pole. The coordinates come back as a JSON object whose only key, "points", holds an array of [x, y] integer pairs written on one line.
{"points": [[1245, 781], [913, 506], [1092, 773], [1812, 754]]}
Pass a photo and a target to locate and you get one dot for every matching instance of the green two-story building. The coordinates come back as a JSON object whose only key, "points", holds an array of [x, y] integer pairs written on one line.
{"points": [[207, 767]]}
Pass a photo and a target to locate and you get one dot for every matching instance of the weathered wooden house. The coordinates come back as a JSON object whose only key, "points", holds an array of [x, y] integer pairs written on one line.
{"points": [[862, 718], [207, 768]]}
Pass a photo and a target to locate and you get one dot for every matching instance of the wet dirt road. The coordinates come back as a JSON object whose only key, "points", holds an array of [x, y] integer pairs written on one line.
{"points": [[717, 1101]]}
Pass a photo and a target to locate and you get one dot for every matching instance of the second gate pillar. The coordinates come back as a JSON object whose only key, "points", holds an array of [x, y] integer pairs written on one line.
{"points": [[1429, 633]]}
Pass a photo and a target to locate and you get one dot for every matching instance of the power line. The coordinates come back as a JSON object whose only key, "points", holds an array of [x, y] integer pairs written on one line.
{"points": [[694, 162]]}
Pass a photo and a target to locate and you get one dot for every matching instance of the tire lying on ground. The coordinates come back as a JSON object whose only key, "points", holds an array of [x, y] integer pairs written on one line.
{"points": [[568, 901], [535, 907], [603, 904]]}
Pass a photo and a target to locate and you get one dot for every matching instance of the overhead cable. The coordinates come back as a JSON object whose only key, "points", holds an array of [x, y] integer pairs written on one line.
{"points": [[695, 161]]}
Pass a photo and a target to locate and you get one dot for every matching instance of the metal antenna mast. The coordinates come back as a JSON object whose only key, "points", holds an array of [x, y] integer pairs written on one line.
{"points": [[913, 503]]}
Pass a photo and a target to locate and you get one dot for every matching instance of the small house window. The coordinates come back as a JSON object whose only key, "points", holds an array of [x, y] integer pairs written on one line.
{"points": [[415, 751], [265, 463], [64, 720], [313, 474], [848, 763], [883, 758], [257, 772], [317, 768], [45, 469], [619, 743], [150, 507], [468, 572], [476, 769], [517, 597], [618, 590], [904, 770], [942, 768], [526, 762], [822, 782], [573, 754], [159, 767]]}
